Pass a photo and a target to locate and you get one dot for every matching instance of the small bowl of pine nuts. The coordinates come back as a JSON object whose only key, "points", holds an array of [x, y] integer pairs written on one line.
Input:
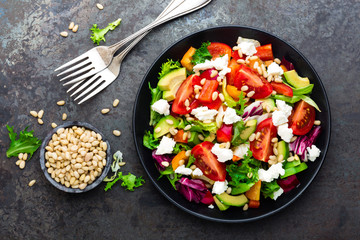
{"points": [[75, 157]]}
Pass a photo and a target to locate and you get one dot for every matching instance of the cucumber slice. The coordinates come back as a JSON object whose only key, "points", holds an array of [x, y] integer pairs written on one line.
{"points": [[268, 102], [250, 129]]}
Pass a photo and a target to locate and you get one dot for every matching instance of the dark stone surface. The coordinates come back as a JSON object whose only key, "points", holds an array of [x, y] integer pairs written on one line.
{"points": [[326, 32]]}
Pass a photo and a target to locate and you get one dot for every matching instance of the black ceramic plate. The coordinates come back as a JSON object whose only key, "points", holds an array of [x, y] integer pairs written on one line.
{"points": [[229, 35], [59, 186]]}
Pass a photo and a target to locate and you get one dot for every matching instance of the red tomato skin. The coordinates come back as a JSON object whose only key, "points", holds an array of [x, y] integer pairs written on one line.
{"points": [[261, 148], [207, 74], [302, 118], [265, 52], [235, 55], [255, 82], [234, 66], [207, 90], [186, 91], [217, 49], [283, 89], [214, 104], [207, 162], [224, 133]]}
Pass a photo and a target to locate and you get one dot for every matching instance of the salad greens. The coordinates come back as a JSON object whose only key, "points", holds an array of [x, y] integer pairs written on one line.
{"points": [[149, 141], [238, 128], [115, 166], [129, 182], [156, 94], [201, 54], [268, 189], [25, 142], [98, 35], [168, 67]]}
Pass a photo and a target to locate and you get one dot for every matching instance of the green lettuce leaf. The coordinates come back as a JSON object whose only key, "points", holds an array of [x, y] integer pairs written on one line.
{"points": [[167, 67], [98, 35], [170, 175], [150, 141], [156, 94], [129, 182], [238, 127], [180, 147], [203, 128], [25, 143], [241, 104], [268, 188], [201, 54]]}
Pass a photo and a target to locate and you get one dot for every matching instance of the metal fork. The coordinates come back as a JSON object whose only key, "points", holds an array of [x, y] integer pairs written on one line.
{"points": [[100, 57], [92, 86]]}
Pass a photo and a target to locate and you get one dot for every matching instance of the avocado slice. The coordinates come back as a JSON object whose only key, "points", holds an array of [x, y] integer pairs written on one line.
{"points": [[295, 80], [164, 125], [292, 164], [237, 201], [283, 149], [171, 94], [220, 205], [250, 129], [194, 139], [167, 82], [268, 102], [294, 170]]}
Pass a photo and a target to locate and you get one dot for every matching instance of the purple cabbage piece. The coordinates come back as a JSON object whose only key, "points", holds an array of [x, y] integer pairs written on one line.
{"points": [[194, 190], [161, 158], [289, 66], [301, 143], [253, 109]]}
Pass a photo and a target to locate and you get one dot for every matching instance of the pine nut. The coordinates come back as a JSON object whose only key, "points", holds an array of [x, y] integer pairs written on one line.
{"points": [[25, 156], [117, 133], [274, 140], [202, 82], [20, 156], [116, 102], [213, 73], [33, 113], [280, 158], [275, 151], [272, 157], [185, 136], [221, 96], [259, 70], [317, 122], [250, 94], [257, 136], [290, 159], [253, 58], [193, 167], [64, 34], [18, 162], [244, 88], [82, 186], [105, 110], [76, 27], [32, 182], [240, 53], [240, 61], [169, 121], [201, 137], [165, 164], [277, 61], [296, 157], [60, 103], [187, 103], [64, 116], [215, 95], [22, 164], [40, 113], [256, 64], [40, 121], [99, 6], [252, 137], [187, 127], [181, 162], [71, 25], [246, 207], [188, 153]]}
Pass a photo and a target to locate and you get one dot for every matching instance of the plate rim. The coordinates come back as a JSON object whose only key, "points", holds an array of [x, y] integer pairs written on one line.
{"points": [[327, 141]]}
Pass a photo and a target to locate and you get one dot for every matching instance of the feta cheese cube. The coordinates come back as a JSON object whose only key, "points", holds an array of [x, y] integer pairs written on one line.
{"points": [[183, 170], [241, 150], [220, 64], [275, 69], [219, 187], [278, 118], [203, 113], [211, 206], [313, 152], [278, 193], [166, 146], [283, 107], [197, 172], [247, 46], [230, 116], [223, 154], [272, 173], [161, 106], [284, 132]]}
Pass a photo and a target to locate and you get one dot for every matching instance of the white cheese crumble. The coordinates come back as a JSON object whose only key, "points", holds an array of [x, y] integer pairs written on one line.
{"points": [[275, 69], [241, 150], [203, 113], [161, 106], [219, 187], [183, 170], [220, 64], [272, 173], [197, 172], [166, 146], [223, 154], [278, 193], [246, 46], [284, 132], [278, 118], [313, 152], [283, 107], [211, 206], [230, 116]]}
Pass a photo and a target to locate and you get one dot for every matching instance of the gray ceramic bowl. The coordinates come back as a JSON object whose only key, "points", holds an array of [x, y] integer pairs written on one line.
{"points": [[97, 181]]}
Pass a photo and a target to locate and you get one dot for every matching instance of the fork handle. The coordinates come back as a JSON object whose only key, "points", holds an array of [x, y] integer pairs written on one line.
{"points": [[177, 9]]}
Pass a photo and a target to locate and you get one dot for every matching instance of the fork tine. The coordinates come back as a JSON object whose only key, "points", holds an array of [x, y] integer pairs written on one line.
{"points": [[87, 83], [79, 65], [99, 89], [90, 88], [74, 86], [81, 71], [75, 60]]}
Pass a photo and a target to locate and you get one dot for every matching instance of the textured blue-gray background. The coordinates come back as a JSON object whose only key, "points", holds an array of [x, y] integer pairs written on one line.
{"points": [[326, 32]]}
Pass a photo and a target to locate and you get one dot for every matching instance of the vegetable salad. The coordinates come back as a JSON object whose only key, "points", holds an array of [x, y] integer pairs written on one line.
{"points": [[232, 125]]}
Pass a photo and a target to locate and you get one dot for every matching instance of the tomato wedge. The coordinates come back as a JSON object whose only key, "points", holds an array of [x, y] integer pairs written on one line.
{"points": [[185, 91], [282, 88], [255, 82], [217, 49], [207, 91], [208, 163], [214, 104], [234, 66], [207, 74], [302, 118], [235, 55], [265, 52], [261, 148]]}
